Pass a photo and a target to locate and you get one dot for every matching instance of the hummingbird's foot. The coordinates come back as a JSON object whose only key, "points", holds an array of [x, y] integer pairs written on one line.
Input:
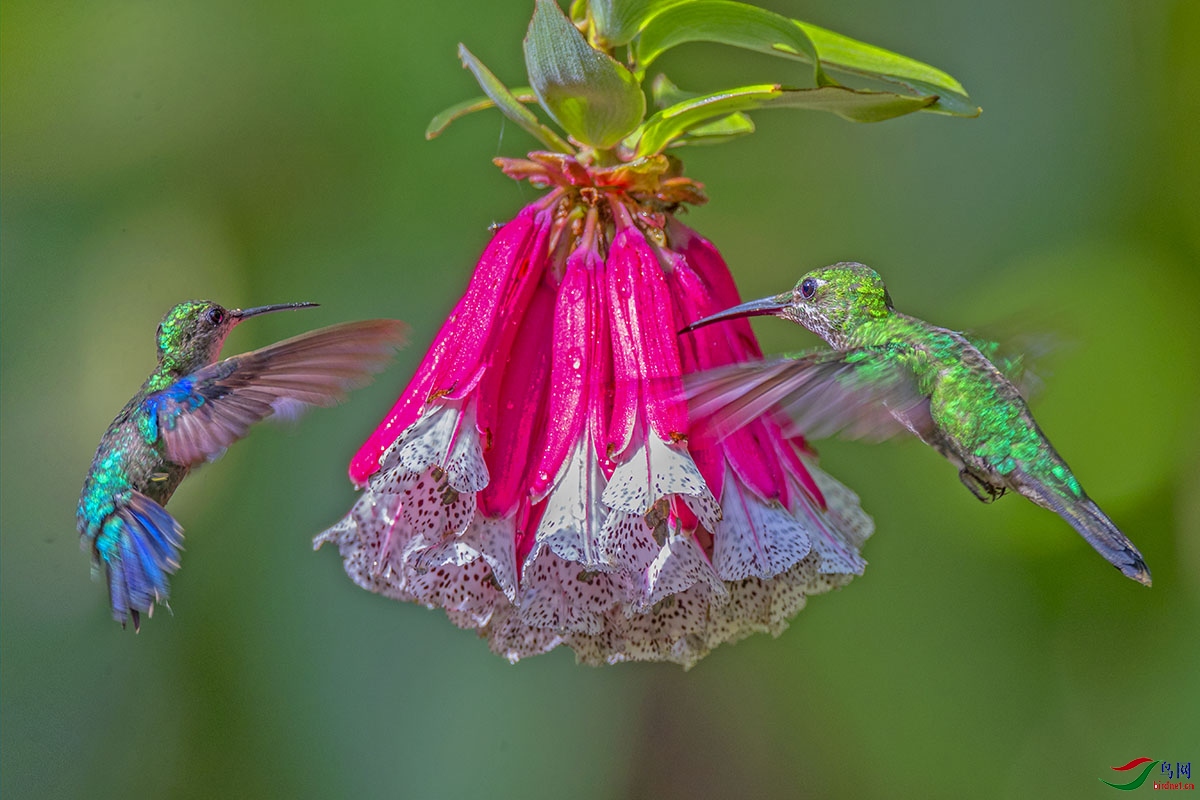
{"points": [[981, 488]]}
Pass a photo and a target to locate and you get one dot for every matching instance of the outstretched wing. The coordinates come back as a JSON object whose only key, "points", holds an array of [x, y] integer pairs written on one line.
{"points": [[864, 393], [201, 415]]}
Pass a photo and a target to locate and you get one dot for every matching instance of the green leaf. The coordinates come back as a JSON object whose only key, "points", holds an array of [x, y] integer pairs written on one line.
{"points": [[593, 97], [852, 104], [664, 93], [725, 22], [616, 22], [508, 104], [844, 54], [741, 25], [718, 131], [443, 119]]}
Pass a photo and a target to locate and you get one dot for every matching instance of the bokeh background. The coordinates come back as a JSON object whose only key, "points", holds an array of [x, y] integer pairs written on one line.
{"points": [[265, 152]]}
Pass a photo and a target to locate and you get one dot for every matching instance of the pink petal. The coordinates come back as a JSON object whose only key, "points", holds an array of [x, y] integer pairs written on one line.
{"points": [[571, 372], [648, 354], [528, 277], [513, 403], [713, 345], [796, 468], [456, 352], [701, 259], [625, 344]]}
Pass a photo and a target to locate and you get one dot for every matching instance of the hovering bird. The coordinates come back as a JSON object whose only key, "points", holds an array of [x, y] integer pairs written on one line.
{"points": [[889, 372], [189, 410]]}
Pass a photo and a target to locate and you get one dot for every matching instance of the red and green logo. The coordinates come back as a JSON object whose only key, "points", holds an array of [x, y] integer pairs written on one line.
{"points": [[1139, 780]]}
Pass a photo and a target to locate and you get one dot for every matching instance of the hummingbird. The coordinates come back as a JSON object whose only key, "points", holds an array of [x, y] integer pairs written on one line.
{"points": [[888, 373], [190, 409]]}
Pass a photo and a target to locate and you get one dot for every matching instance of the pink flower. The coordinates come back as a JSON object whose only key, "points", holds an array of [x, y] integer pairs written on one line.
{"points": [[537, 479]]}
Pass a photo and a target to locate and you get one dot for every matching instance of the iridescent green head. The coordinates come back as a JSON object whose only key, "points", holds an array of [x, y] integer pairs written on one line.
{"points": [[831, 302], [191, 334]]}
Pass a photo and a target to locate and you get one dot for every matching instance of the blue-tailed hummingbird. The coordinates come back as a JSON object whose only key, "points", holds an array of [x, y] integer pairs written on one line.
{"points": [[188, 411]]}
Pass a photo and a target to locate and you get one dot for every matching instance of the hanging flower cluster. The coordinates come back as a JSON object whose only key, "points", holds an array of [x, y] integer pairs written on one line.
{"points": [[538, 479]]}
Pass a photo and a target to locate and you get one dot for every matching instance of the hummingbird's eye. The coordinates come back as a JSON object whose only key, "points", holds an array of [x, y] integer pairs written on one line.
{"points": [[216, 316], [808, 288]]}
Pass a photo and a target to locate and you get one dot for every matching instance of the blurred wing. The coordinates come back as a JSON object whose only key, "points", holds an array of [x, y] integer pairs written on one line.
{"points": [[861, 394], [201, 415], [1022, 359]]}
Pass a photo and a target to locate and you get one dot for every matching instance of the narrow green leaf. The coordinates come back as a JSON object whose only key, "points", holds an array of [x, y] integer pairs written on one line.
{"points": [[664, 94], [718, 131], [844, 54], [509, 105], [443, 119], [593, 97], [725, 22], [852, 104], [855, 105], [618, 21]]}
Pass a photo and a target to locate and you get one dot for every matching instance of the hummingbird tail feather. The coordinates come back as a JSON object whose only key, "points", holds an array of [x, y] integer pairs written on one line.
{"points": [[144, 542], [1094, 526]]}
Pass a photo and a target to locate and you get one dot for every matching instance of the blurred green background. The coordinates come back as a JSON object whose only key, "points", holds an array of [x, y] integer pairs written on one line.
{"points": [[257, 152]]}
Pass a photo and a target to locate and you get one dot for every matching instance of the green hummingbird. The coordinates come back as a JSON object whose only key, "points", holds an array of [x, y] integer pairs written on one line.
{"points": [[190, 409], [888, 373]]}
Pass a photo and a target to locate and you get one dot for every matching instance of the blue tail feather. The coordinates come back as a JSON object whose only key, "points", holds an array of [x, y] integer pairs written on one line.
{"points": [[141, 550], [137, 582]]}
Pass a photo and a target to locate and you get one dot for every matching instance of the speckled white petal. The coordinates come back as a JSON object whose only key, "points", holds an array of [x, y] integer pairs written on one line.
{"points": [[836, 558], [443, 436], [563, 596], [685, 626], [762, 606], [426, 442], [837, 555], [432, 508], [496, 541], [360, 538], [854, 525], [574, 517], [756, 538], [510, 637], [627, 543], [677, 623], [465, 467], [658, 470], [467, 592], [679, 566]]}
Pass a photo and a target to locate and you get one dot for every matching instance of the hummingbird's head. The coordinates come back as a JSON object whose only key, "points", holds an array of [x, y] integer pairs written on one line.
{"points": [[831, 302], [191, 334]]}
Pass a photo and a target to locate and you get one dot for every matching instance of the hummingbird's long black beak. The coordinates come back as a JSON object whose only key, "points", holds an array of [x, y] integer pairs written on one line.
{"points": [[238, 313], [754, 308]]}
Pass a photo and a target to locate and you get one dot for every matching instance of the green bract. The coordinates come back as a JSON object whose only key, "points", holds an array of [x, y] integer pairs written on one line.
{"points": [[593, 97], [577, 79]]}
